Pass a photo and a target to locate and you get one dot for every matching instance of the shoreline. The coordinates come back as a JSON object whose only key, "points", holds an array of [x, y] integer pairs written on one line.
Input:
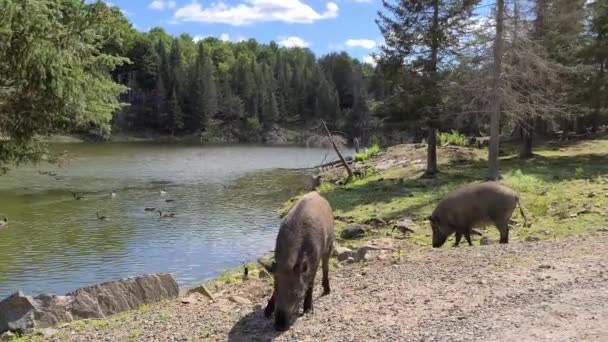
{"points": [[392, 194]]}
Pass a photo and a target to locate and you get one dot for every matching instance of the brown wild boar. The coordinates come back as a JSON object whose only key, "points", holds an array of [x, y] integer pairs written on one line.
{"points": [[482, 203], [305, 239]]}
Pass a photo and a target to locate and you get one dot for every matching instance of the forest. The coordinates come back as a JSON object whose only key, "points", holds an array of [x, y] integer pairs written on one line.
{"points": [[520, 68]]}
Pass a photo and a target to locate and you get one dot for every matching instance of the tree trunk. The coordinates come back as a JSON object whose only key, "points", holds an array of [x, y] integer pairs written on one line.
{"points": [[493, 173], [431, 154], [525, 151]]}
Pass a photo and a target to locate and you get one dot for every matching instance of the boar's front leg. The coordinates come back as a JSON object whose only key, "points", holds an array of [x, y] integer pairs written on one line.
{"points": [[270, 306], [308, 300]]}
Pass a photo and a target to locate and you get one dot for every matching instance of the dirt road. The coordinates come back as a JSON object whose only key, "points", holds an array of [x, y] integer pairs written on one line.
{"points": [[534, 291]]}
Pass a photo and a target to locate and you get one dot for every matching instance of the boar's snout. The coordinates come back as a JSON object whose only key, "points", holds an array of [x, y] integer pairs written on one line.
{"points": [[438, 239], [282, 321]]}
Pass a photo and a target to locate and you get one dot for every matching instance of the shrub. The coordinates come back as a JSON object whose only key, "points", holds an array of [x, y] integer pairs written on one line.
{"points": [[369, 152], [454, 138]]}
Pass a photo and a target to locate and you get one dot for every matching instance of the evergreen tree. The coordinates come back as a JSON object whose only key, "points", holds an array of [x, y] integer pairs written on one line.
{"points": [[424, 34]]}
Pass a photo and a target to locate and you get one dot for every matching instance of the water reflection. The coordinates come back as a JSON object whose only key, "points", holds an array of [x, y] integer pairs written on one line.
{"points": [[224, 200]]}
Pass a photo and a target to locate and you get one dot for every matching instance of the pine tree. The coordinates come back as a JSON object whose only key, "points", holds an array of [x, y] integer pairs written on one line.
{"points": [[424, 34]]}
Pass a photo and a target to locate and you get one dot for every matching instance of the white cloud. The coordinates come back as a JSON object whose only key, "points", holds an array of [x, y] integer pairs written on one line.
{"points": [[369, 60], [293, 41], [253, 11], [363, 1], [361, 43], [225, 37], [198, 38], [160, 5]]}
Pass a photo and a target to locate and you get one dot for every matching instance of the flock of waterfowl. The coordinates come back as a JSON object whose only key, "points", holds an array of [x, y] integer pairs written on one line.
{"points": [[149, 209], [161, 214]]}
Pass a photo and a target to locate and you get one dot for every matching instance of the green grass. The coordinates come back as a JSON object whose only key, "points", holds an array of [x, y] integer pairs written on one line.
{"points": [[564, 191]]}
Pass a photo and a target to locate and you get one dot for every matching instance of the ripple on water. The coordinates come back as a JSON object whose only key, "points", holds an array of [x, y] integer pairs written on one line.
{"points": [[224, 198]]}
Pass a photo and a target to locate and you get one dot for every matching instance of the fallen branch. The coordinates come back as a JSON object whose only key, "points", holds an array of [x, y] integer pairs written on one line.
{"points": [[344, 163]]}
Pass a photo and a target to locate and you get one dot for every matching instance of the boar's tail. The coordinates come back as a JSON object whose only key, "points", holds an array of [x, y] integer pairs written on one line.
{"points": [[521, 211]]}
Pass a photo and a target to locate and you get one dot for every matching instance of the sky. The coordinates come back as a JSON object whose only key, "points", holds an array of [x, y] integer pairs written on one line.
{"points": [[324, 26]]}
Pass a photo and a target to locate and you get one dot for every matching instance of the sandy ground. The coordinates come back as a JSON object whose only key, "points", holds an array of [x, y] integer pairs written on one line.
{"points": [[533, 291]]}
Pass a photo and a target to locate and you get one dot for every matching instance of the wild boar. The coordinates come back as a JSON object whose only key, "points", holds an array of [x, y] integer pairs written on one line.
{"points": [[482, 203], [305, 239]]}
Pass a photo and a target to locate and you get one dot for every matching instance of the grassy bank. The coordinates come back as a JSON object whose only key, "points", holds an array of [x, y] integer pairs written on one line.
{"points": [[564, 191], [564, 188]]}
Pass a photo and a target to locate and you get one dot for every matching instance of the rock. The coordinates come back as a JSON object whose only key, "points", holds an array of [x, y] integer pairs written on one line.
{"points": [[17, 313], [532, 238], [22, 313], [239, 300], [7, 336], [544, 266], [603, 230], [106, 299], [48, 332], [484, 241], [350, 260], [405, 225], [591, 194], [342, 253], [376, 222], [373, 249], [202, 289], [352, 232], [276, 136]]}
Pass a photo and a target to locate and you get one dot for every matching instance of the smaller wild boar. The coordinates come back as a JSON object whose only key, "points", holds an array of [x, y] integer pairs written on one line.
{"points": [[305, 239], [482, 203]]}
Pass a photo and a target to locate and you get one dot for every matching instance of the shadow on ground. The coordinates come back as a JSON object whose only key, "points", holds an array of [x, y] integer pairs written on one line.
{"points": [[253, 327]]}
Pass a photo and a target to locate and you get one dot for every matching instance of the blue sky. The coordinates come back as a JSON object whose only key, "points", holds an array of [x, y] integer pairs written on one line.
{"points": [[321, 25]]}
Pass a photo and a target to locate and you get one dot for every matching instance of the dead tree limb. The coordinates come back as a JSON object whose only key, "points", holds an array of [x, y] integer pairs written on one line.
{"points": [[344, 163]]}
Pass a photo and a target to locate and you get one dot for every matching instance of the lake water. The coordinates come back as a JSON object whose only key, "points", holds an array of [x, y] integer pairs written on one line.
{"points": [[224, 199]]}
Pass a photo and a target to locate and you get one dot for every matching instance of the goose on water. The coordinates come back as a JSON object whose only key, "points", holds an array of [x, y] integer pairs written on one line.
{"points": [[77, 197], [161, 215], [4, 221], [101, 218]]}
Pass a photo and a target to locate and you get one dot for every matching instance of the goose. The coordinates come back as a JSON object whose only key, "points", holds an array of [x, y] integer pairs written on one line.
{"points": [[150, 209], [162, 192], [101, 218], [161, 215], [76, 197], [113, 194], [169, 200], [4, 221]]}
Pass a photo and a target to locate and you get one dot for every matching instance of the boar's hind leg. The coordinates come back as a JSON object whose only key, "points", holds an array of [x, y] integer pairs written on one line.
{"points": [[503, 228], [270, 307], [325, 280], [308, 300], [458, 238]]}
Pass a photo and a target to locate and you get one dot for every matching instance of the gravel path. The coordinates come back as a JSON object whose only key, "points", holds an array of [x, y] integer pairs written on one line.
{"points": [[536, 291]]}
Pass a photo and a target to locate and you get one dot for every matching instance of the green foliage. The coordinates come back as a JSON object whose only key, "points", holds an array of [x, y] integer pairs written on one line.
{"points": [[367, 153], [55, 64], [452, 138]]}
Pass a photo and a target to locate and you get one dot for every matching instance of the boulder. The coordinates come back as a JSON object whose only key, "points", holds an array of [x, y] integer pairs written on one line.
{"points": [[24, 313], [405, 225], [342, 253], [17, 313], [352, 232]]}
